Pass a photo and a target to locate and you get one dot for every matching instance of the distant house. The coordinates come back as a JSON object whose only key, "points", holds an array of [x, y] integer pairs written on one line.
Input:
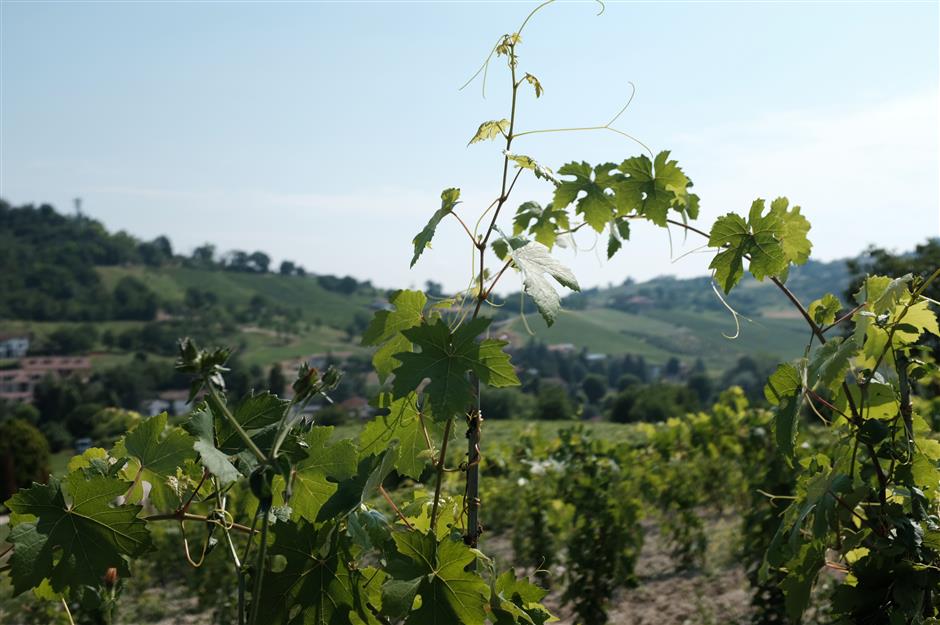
{"points": [[357, 407], [173, 402], [62, 366], [14, 345], [17, 385]]}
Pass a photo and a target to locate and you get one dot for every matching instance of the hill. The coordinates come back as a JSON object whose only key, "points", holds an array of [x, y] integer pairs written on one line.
{"points": [[114, 295]]}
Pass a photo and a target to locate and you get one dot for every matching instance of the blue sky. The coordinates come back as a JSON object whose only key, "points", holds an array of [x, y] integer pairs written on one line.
{"points": [[324, 132]]}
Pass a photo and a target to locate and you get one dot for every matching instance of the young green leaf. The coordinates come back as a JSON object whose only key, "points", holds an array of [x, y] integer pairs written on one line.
{"points": [[823, 311], [386, 326], [532, 80], [546, 222], [772, 242], [315, 477], [404, 424], [783, 383], [650, 189], [490, 130], [596, 206], [202, 426], [527, 162], [156, 452], [445, 359], [830, 362], [422, 240], [534, 260]]}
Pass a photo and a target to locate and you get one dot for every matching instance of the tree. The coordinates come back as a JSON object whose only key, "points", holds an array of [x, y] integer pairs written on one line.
{"points": [[594, 386], [276, 380], [553, 404], [652, 403], [204, 255], [505, 403], [72, 339], [673, 368], [287, 268], [259, 262], [702, 386], [133, 300], [24, 456]]}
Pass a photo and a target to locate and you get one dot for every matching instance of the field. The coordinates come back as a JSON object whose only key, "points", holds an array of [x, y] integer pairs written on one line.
{"points": [[662, 334], [315, 302]]}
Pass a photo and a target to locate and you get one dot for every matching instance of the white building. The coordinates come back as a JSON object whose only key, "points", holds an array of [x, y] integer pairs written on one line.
{"points": [[14, 345]]}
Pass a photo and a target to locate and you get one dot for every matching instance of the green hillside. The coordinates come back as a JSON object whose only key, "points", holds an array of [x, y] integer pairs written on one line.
{"points": [[302, 292], [658, 335]]}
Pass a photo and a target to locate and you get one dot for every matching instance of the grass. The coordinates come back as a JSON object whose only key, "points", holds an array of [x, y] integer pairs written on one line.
{"points": [[508, 433], [305, 293], [263, 349], [662, 334], [59, 461]]}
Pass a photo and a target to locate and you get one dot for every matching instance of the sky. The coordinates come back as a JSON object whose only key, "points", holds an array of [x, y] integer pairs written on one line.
{"points": [[324, 132]]}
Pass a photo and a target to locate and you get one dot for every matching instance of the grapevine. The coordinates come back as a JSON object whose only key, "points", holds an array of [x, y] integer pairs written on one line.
{"points": [[313, 532]]}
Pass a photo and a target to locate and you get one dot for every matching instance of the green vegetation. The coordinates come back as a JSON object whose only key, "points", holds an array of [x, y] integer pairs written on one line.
{"points": [[296, 523]]}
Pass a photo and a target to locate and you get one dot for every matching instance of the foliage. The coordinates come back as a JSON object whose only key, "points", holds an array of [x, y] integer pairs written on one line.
{"points": [[605, 540], [25, 456], [294, 511]]}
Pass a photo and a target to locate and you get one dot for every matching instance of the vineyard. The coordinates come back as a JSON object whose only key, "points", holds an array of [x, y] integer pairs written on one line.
{"points": [[247, 510]]}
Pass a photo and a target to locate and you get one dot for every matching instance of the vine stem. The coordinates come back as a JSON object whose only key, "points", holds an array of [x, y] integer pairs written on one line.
{"points": [[189, 501], [259, 579], [68, 613], [440, 473], [186, 516], [388, 498]]}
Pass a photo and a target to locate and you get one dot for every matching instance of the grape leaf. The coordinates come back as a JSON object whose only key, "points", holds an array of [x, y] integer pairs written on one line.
{"points": [[254, 413], [801, 575], [490, 130], [532, 80], [314, 578], [315, 477], [156, 452], [918, 319], [596, 206], [829, 363], [436, 572], [202, 426], [619, 230], [422, 240], [772, 241], [404, 424], [446, 358], [386, 326], [792, 230], [783, 383], [77, 536], [883, 294], [351, 493], [517, 601], [823, 311], [652, 194], [534, 260], [527, 162], [545, 222]]}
